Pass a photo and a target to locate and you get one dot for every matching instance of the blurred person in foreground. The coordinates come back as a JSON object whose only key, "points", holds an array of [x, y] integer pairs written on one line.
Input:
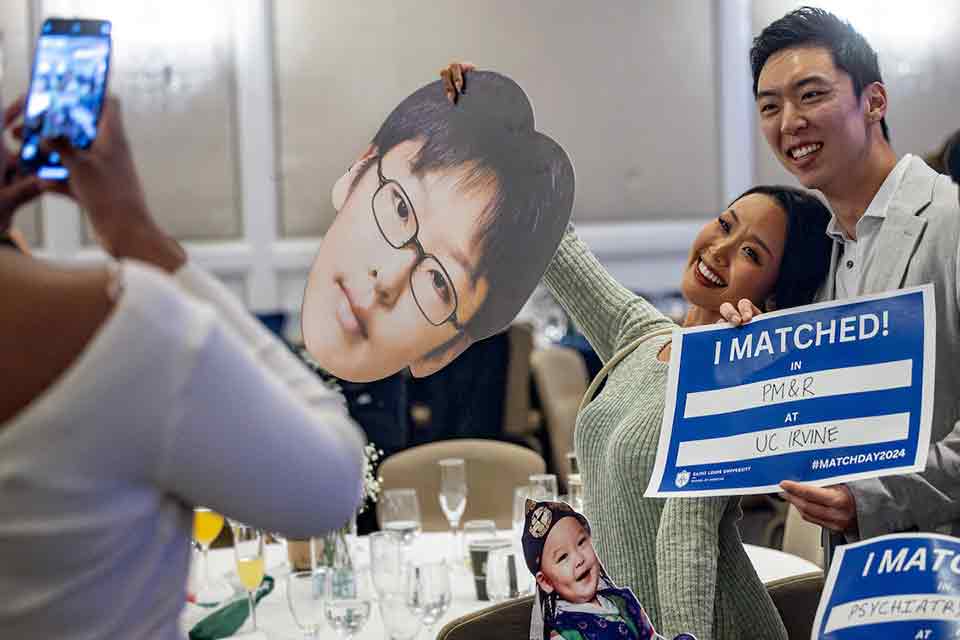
{"points": [[132, 392]]}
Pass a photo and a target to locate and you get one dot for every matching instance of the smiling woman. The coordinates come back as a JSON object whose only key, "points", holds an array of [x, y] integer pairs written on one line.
{"points": [[683, 556], [738, 256], [445, 225]]}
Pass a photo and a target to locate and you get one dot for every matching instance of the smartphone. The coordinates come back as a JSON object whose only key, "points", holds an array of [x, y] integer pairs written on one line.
{"points": [[67, 89]]}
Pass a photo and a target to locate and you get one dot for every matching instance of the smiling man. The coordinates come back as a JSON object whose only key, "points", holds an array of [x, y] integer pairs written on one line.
{"points": [[822, 108]]}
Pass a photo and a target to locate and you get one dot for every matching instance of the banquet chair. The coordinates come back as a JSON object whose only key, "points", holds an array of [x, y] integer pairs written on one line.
{"points": [[521, 422], [561, 378], [508, 620], [802, 538], [494, 469], [796, 599]]}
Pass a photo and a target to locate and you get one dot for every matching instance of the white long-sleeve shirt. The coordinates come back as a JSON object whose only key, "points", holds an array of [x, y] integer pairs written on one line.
{"points": [[177, 400]]}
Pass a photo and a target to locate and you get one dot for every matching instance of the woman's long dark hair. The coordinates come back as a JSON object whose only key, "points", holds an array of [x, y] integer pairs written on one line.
{"points": [[807, 248]]}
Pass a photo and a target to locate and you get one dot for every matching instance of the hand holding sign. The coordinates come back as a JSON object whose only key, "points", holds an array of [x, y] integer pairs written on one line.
{"points": [[744, 312], [831, 507]]}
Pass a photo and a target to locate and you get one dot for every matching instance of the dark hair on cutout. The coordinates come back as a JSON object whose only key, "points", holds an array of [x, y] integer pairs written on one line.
{"points": [[807, 248], [813, 27], [489, 136]]}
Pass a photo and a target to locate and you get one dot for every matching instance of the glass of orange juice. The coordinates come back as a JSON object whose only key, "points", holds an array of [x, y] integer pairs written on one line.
{"points": [[206, 527], [248, 550]]}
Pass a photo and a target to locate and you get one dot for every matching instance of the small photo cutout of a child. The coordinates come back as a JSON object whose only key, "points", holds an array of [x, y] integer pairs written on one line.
{"points": [[575, 599]]}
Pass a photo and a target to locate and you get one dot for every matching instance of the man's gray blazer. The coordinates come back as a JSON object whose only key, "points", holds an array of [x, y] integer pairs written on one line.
{"points": [[918, 243]]}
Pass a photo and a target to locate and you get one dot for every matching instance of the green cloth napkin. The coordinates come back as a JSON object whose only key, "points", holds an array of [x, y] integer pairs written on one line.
{"points": [[225, 621]]}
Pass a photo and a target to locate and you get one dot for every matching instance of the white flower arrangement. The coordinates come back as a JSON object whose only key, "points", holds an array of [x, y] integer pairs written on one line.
{"points": [[371, 482]]}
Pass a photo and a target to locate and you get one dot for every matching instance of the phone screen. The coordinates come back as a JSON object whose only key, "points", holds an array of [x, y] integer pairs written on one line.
{"points": [[67, 89]]}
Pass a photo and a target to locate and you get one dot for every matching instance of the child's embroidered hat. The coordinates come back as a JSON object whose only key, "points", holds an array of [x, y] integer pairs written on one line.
{"points": [[540, 518]]}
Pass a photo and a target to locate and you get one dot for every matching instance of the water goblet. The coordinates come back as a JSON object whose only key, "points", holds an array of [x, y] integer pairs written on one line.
{"points": [[507, 575], [545, 486], [347, 608], [387, 562], [400, 513], [474, 530], [398, 621], [305, 596], [428, 592]]}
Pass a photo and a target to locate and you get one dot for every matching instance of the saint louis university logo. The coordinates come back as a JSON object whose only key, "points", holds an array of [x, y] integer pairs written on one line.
{"points": [[682, 479]]}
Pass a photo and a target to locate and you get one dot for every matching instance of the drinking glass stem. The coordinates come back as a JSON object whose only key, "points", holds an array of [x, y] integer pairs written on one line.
{"points": [[206, 566], [253, 609], [457, 551]]}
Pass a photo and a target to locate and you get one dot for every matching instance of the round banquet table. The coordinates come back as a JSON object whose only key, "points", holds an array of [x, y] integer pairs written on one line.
{"points": [[275, 621]]}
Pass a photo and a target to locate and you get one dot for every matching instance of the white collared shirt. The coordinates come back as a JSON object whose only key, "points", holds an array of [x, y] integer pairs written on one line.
{"points": [[856, 256], [605, 608]]}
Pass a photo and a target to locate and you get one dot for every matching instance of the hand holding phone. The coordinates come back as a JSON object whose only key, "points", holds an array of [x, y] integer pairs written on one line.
{"points": [[16, 189], [105, 183], [67, 90]]}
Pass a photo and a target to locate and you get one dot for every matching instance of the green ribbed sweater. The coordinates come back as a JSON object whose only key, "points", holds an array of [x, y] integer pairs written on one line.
{"points": [[682, 557]]}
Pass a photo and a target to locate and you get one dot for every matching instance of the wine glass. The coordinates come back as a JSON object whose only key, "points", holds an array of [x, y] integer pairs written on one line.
{"points": [[398, 621], [347, 608], [248, 551], [453, 496], [544, 486], [428, 592], [400, 513], [207, 525], [305, 596]]}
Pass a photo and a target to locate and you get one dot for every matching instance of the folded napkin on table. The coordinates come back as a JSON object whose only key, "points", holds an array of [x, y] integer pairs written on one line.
{"points": [[225, 621]]}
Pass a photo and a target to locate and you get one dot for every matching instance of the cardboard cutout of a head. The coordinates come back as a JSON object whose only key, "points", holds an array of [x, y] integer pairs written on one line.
{"points": [[558, 550], [445, 224], [575, 596]]}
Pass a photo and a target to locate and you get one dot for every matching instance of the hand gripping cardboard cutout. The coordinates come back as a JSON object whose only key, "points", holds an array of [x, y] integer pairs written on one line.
{"points": [[445, 224], [575, 599]]}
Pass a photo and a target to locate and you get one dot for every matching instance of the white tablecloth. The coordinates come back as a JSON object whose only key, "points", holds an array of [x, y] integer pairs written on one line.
{"points": [[274, 618]]}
